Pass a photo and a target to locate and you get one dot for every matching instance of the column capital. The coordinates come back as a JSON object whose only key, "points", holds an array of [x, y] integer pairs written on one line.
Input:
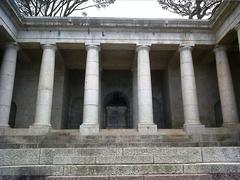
{"points": [[183, 47], [92, 46], [49, 46], [220, 48], [140, 47], [13, 45]]}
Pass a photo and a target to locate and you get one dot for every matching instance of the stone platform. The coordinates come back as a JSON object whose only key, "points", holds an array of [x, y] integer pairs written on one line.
{"points": [[109, 155]]}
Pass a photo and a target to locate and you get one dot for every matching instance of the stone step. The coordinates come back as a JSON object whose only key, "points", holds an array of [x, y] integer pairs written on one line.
{"points": [[99, 156], [216, 176], [119, 170], [143, 177]]}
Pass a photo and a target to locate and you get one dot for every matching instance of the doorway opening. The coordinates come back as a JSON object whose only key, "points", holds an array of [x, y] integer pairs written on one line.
{"points": [[116, 111]]}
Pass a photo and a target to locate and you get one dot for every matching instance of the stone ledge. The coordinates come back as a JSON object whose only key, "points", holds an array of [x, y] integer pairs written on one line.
{"points": [[120, 170]]}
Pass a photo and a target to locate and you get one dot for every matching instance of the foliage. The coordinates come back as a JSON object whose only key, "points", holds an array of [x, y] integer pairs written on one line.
{"points": [[58, 7], [192, 8]]}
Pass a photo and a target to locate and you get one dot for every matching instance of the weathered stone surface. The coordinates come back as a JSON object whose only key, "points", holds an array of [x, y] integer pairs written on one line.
{"points": [[221, 154], [177, 155], [31, 170], [76, 178], [74, 160], [47, 155], [19, 156], [138, 151], [179, 177], [212, 168], [106, 170], [124, 159]]}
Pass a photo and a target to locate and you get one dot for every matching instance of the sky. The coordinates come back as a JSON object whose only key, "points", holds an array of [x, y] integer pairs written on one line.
{"points": [[132, 9]]}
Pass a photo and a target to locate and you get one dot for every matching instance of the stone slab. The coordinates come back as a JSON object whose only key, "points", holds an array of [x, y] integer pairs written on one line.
{"points": [[177, 155], [19, 156], [31, 170], [76, 178], [110, 170], [47, 155], [179, 177], [221, 154], [138, 151], [124, 159], [74, 160], [212, 168]]}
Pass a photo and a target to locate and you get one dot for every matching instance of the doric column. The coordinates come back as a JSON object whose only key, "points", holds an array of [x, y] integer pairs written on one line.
{"points": [[90, 124], [225, 84], [7, 75], [189, 92], [45, 89], [144, 86]]}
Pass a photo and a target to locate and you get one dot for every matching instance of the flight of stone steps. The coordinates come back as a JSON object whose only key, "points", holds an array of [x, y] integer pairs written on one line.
{"points": [[120, 138], [110, 155]]}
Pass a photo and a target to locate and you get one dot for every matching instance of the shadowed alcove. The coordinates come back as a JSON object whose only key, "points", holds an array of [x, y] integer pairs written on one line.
{"points": [[116, 111]]}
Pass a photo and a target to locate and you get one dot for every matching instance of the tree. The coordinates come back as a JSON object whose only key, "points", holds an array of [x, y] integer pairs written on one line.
{"points": [[192, 8], [58, 7]]}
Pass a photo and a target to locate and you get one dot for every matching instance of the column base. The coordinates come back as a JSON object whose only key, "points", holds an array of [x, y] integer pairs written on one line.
{"points": [[89, 129], [147, 129], [39, 129], [194, 128]]}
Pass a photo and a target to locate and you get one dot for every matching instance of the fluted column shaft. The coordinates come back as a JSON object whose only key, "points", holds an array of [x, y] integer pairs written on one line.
{"points": [[91, 92], [7, 76], [189, 91], [225, 84], [144, 86], [45, 87]]}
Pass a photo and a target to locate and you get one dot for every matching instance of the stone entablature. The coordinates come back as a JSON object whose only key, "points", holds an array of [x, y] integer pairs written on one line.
{"points": [[158, 31]]}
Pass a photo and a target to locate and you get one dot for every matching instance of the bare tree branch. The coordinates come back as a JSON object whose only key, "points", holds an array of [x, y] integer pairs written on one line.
{"points": [[191, 8], [58, 7]]}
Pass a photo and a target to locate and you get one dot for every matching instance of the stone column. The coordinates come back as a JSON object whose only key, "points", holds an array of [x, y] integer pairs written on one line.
{"points": [[90, 124], [189, 92], [225, 84], [144, 86], [42, 119], [7, 75]]}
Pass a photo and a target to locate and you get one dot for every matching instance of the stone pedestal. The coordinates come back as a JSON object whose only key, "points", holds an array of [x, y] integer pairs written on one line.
{"points": [[90, 124], [144, 86], [189, 92], [7, 76], [42, 121], [225, 84]]}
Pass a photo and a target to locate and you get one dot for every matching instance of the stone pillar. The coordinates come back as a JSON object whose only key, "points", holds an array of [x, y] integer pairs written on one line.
{"points": [[144, 86], [42, 120], [90, 124], [189, 92], [7, 75], [225, 84]]}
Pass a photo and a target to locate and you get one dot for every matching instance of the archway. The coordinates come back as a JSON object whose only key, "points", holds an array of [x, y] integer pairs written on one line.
{"points": [[116, 111], [75, 118]]}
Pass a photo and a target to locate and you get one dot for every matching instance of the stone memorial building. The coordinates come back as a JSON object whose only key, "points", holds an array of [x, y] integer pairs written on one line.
{"points": [[121, 76]]}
